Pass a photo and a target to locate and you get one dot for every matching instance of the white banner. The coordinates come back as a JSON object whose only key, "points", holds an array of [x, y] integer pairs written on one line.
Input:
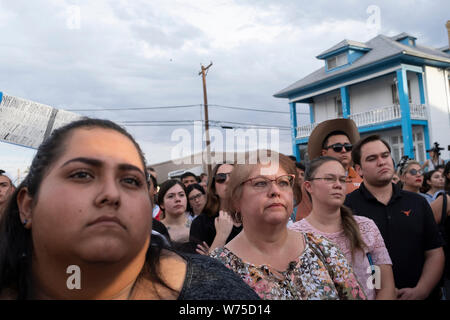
{"points": [[27, 123]]}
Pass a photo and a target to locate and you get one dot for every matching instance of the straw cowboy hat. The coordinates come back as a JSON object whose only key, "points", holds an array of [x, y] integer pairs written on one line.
{"points": [[323, 129]]}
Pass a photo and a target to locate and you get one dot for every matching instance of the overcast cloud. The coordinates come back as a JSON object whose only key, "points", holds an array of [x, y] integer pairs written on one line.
{"points": [[124, 54]]}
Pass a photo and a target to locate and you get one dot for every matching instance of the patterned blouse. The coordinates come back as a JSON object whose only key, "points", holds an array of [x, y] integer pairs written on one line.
{"points": [[360, 263], [321, 272]]}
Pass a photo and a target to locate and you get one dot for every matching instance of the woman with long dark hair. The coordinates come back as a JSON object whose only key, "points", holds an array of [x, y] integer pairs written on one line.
{"points": [[214, 227], [84, 206]]}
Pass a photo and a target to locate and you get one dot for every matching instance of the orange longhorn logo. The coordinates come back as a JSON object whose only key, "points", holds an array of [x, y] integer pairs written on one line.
{"points": [[407, 212]]}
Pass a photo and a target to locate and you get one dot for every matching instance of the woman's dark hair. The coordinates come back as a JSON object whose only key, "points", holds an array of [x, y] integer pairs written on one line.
{"points": [[447, 180], [426, 179], [16, 247], [349, 224], [189, 189], [163, 188], [212, 205], [300, 165]]}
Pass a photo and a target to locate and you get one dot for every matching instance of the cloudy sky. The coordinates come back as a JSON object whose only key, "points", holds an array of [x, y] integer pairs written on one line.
{"points": [[134, 54]]}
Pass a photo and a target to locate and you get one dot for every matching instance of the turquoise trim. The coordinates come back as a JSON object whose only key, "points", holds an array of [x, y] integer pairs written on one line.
{"points": [[358, 73], [402, 87], [1, 96], [345, 98], [380, 126], [354, 55], [311, 113], [295, 151], [421, 88], [341, 50], [426, 136], [405, 41], [412, 68]]}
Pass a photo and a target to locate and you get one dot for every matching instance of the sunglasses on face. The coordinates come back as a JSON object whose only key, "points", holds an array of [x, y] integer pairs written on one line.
{"points": [[414, 172], [221, 177], [337, 147]]}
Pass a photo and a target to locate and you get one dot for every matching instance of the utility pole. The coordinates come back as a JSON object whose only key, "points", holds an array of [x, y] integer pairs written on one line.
{"points": [[203, 72]]}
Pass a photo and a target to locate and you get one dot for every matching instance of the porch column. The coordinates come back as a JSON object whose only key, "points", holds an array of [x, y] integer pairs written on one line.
{"points": [[293, 110], [311, 113], [421, 87], [402, 88], [345, 98]]}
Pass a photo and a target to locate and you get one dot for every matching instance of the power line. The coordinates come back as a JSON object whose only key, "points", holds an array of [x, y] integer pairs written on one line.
{"points": [[186, 106], [138, 108]]}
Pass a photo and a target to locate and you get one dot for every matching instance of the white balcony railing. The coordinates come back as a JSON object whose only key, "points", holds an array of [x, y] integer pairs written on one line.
{"points": [[374, 116]]}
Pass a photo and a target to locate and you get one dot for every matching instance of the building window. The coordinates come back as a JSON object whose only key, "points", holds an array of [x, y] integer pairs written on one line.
{"points": [[337, 61], [395, 99]]}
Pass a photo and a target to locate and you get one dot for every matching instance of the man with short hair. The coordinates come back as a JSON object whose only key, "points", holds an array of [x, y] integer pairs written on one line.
{"points": [[333, 138], [6, 190], [188, 178], [404, 219]]}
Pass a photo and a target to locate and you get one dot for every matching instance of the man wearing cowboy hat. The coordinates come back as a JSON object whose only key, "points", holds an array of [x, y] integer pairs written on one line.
{"points": [[334, 138]]}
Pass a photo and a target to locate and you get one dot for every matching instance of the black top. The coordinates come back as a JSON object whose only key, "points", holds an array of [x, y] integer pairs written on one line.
{"points": [[203, 229], [408, 228], [208, 279]]}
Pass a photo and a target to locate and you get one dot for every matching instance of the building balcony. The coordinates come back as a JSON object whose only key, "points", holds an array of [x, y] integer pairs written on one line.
{"points": [[373, 117]]}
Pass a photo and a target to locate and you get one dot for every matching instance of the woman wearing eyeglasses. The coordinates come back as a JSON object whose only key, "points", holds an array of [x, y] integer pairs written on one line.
{"points": [[197, 199], [276, 262], [357, 237], [214, 227], [411, 176]]}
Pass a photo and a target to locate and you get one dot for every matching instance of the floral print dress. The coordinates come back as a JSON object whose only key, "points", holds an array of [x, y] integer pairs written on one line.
{"points": [[321, 272]]}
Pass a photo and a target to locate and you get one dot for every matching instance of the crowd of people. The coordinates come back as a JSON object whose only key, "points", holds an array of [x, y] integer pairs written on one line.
{"points": [[347, 224]]}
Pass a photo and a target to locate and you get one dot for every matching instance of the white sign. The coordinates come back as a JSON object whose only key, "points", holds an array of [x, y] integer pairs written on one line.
{"points": [[27, 123]]}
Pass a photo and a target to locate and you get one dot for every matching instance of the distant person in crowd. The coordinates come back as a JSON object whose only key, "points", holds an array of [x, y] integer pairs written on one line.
{"points": [[197, 199], [214, 227], [204, 180], [395, 178], [278, 263], [433, 185], [435, 159], [153, 193], [173, 202], [446, 174], [152, 172], [188, 178], [301, 172], [6, 190], [404, 219], [411, 176], [358, 237], [334, 138], [85, 203]]}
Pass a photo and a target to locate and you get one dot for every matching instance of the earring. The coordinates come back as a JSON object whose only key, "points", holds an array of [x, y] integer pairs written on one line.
{"points": [[25, 222]]}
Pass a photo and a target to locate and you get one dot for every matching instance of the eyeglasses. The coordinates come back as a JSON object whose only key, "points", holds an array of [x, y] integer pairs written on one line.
{"points": [[332, 179], [196, 197], [262, 183], [413, 172], [337, 147], [221, 177]]}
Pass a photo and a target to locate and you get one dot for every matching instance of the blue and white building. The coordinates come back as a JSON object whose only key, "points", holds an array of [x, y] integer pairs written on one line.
{"points": [[392, 86]]}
